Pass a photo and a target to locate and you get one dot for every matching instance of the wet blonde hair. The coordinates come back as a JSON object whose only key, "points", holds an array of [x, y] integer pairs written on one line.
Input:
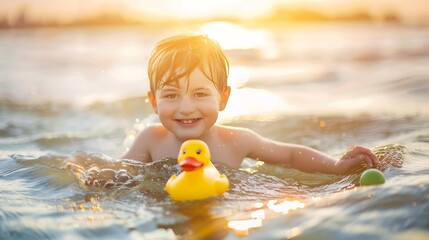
{"points": [[178, 56]]}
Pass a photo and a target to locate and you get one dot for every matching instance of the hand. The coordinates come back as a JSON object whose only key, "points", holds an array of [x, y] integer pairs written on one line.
{"points": [[102, 178], [108, 178], [357, 157]]}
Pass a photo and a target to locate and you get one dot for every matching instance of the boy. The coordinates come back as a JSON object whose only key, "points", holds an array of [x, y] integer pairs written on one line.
{"points": [[188, 87]]}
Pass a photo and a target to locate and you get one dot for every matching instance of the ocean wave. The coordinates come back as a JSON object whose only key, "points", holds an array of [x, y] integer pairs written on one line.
{"points": [[124, 107]]}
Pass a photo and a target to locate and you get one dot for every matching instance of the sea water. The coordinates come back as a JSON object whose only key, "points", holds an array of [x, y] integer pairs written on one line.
{"points": [[77, 95]]}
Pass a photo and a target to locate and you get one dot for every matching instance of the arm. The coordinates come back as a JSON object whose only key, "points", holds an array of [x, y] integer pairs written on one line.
{"points": [[308, 159]]}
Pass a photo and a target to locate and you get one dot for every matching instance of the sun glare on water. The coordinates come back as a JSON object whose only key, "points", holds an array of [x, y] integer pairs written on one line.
{"points": [[242, 227], [232, 36]]}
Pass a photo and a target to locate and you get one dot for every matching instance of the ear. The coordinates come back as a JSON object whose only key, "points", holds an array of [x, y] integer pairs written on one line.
{"points": [[224, 96], [152, 100]]}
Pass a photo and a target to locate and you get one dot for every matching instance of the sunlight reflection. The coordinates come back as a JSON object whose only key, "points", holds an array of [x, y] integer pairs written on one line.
{"points": [[262, 104], [350, 104], [242, 227], [253, 169], [92, 209], [232, 36], [238, 76], [126, 73], [259, 214], [285, 206], [258, 205], [129, 49]]}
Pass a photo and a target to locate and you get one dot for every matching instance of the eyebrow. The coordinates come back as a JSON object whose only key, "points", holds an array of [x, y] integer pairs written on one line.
{"points": [[201, 88], [169, 88]]}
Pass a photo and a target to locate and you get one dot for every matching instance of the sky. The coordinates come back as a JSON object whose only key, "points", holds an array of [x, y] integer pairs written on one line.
{"points": [[69, 11]]}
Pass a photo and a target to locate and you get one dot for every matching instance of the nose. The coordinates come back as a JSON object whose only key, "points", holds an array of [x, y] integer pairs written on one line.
{"points": [[187, 105]]}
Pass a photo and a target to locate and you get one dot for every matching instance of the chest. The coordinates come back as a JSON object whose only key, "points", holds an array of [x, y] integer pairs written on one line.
{"points": [[227, 155], [220, 153]]}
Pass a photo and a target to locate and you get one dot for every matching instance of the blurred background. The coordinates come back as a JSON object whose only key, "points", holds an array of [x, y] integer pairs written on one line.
{"points": [[25, 13], [309, 57]]}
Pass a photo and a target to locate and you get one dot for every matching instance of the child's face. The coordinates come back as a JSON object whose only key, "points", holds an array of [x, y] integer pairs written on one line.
{"points": [[190, 109]]}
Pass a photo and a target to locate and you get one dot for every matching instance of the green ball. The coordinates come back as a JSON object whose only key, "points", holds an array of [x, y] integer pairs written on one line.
{"points": [[371, 177]]}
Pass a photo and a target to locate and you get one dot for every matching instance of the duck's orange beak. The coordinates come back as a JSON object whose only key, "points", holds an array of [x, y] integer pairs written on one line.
{"points": [[190, 164]]}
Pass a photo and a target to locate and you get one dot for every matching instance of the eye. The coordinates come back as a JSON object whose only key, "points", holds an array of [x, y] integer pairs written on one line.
{"points": [[184, 151], [171, 96], [198, 151], [201, 95]]}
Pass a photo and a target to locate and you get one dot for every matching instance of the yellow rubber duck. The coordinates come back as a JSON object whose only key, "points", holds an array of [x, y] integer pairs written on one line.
{"points": [[200, 179]]}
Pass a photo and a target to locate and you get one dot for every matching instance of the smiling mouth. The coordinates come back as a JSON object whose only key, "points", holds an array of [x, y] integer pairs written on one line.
{"points": [[188, 121]]}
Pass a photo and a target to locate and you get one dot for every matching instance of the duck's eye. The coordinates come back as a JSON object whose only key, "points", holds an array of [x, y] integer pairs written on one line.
{"points": [[198, 151], [184, 151]]}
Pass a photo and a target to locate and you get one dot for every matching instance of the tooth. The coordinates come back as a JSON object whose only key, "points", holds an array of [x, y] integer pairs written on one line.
{"points": [[188, 121]]}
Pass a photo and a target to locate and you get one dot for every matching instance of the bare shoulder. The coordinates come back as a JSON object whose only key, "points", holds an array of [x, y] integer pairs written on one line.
{"points": [[156, 130], [143, 143], [150, 135], [231, 145], [242, 136]]}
